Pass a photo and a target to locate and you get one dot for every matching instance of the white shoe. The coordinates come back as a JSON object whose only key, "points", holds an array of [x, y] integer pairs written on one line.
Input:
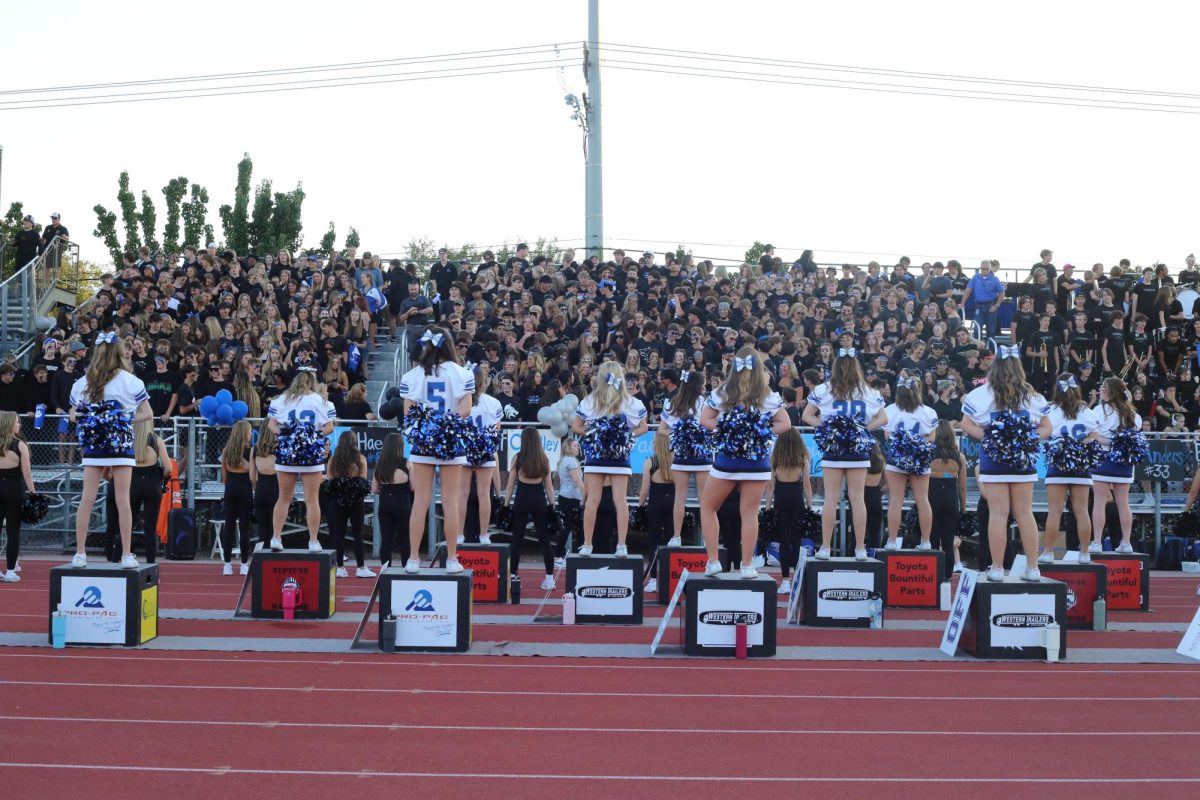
{"points": [[129, 561], [1095, 547], [1125, 547], [621, 551], [925, 546], [364, 572], [749, 572], [1085, 557], [485, 538], [651, 586], [244, 569], [712, 568], [958, 568], [461, 539], [860, 555], [822, 554], [412, 566], [996, 575], [79, 561], [17, 568], [342, 573], [11, 576], [277, 544], [585, 549], [314, 547], [1147, 501], [675, 541], [1033, 574], [758, 561], [772, 561], [548, 583], [560, 563], [453, 567], [893, 544], [1046, 558], [785, 587], [227, 569]]}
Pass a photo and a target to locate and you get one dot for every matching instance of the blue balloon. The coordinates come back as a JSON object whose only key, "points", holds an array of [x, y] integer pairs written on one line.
{"points": [[211, 420], [225, 415], [208, 406], [240, 409], [224, 397]]}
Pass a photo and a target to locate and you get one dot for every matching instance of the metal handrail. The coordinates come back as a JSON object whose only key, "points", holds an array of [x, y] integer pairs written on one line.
{"points": [[29, 286]]}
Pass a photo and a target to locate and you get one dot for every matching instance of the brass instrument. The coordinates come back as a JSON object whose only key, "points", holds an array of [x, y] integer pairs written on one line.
{"points": [[1129, 362], [1045, 358]]}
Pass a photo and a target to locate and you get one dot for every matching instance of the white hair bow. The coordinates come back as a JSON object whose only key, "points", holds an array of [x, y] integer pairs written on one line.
{"points": [[1068, 382], [613, 380], [683, 376], [107, 338], [740, 364], [433, 338], [847, 351], [1004, 351]]}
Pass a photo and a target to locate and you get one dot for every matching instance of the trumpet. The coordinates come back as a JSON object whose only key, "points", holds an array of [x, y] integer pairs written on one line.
{"points": [[1129, 362], [1045, 358]]}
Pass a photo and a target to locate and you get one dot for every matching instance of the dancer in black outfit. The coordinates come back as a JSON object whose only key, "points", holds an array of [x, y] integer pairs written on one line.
{"points": [[657, 496], [266, 484], [873, 493], [395, 501], [239, 496], [152, 464], [534, 497], [348, 509], [947, 492], [792, 492], [16, 478]]}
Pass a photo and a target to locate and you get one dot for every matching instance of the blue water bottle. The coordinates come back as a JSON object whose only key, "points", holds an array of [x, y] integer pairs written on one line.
{"points": [[1108, 544], [58, 629], [39, 416], [64, 424]]}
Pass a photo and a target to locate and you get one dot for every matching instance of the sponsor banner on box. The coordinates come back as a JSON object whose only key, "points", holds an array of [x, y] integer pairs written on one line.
{"points": [[426, 613], [149, 614], [307, 574], [1018, 619], [604, 592], [912, 580], [720, 611], [1124, 582], [1082, 591], [844, 594], [485, 573], [95, 609], [678, 563]]}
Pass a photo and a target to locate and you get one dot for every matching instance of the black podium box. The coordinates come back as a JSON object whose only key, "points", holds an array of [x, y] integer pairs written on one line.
{"points": [[672, 561], [840, 592], [314, 574], [714, 606], [106, 605], [1006, 619], [1086, 583], [489, 564], [607, 589], [432, 609], [1128, 580], [912, 578]]}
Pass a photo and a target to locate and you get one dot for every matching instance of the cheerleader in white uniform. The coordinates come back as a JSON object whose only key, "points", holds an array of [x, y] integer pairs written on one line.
{"points": [[1070, 418], [609, 399], [303, 407], [486, 414], [442, 384], [747, 386], [1009, 489], [107, 441], [909, 415], [846, 395], [1114, 413], [681, 411]]}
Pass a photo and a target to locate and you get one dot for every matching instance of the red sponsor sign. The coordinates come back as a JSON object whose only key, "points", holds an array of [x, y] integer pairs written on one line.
{"points": [[677, 562], [485, 566], [1125, 589], [1082, 586], [306, 573], [912, 580]]}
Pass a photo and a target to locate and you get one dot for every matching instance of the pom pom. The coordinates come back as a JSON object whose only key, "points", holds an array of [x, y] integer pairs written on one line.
{"points": [[34, 508], [691, 441], [841, 434], [742, 433], [502, 517], [1012, 440], [391, 409], [391, 393], [637, 518], [607, 439], [1188, 523], [104, 428], [571, 516], [482, 446], [1073, 456], [767, 523], [810, 524], [299, 445], [224, 397], [347, 492], [910, 453], [967, 524], [690, 522], [435, 434], [1128, 447]]}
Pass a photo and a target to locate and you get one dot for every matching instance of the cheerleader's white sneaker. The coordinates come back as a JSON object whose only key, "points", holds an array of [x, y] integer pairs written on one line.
{"points": [[453, 567], [924, 546], [11, 576], [363, 572], [785, 588], [548, 583], [621, 551], [342, 573], [1095, 547], [651, 586], [1033, 575], [244, 569], [227, 569], [758, 561], [1125, 547], [314, 547], [893, 544], [1085, 557], [996, 575], [822, 554], [412, 566], [585, 549], [277, 544], [749, 573], [129, 561], [485, 538], [712, 568], [79, 561], [958, 568], [1046, 558], [860, 555], [674, 541]]}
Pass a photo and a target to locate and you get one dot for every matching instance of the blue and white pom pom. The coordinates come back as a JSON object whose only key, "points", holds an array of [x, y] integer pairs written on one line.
{"points": [[691, 440], [909, 453], [435, 434], [1128, 446], [481, 446], [1073, 456], [1012, 440], [104, 428], [349, 491], [841, 434], [607, 439], [742, 433], [299, 444]]}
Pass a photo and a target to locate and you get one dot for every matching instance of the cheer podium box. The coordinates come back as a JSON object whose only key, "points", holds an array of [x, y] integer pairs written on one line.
{"points": [[716, 605], [315, 576], [489, 563], [1086, 583], [672, 561], [1128, 580], [432, 609], [607, 589], [912, 578], [840, 592], [1006, 620], [106, 605]]}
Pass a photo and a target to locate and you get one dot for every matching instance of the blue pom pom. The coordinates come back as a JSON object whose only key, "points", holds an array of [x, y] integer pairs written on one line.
{"points": [[909, 453], [481, 446], [224, 397], [208, 405], [240, 409], [435, 434], [691, 441], [1012, 440], [842, 434], [299, 444], [104, 429], [607, 439], [1073, 456], [742, 433], [1128, 447]]}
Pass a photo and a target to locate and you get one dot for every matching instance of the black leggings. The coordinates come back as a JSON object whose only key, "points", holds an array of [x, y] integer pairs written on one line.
{"points": [[238, 502], [729, 525], [568, 525], [790, 509], [266, 492], [660, 515], [145, 492], [943, 499], [12, 497], [530, 504], [395, 503], [873, 499], [339, 515]]}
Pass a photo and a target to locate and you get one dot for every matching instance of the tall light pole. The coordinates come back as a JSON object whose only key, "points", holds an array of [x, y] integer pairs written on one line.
{"points": [[594, 157]]}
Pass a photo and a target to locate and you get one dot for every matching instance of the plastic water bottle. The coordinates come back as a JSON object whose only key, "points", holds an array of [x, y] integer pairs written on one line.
{"points": [[514, 589], [387, 635], [1099, 614], [58, 628], [741, 636], [64, 425], [1108, 544], [568, 601], [944, 596], [39, 416], [875, 604], [1050, 637]]}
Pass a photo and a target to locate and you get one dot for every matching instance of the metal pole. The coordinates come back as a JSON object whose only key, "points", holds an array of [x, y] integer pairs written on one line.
{"points": [[191, 463], [594, 164]]}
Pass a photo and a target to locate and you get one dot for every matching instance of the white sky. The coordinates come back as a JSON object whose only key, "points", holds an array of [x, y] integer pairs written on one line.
{"points": [[691, 160]]}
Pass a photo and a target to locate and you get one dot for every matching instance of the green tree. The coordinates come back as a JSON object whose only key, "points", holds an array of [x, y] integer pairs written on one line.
{"points": [[287, 227], [129, 214], [352, 238], [174, 192], [235, 219], [106, 230], [421, 250], [149, 220], [328, 241], [260, 232], [755, 253], [196, 230]]}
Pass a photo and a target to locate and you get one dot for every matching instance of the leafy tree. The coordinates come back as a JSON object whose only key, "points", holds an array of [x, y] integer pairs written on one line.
{"points": [[196, 230], [149, 220], [352, 238], [260, 231], [421, 250], [755, 253], [129, 214], [328, 241], [106, 229], [235, 219], [174, 191], [89, 280], [287, 227]]}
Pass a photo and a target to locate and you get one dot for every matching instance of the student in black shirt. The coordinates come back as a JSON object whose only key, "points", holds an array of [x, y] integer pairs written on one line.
{"points": [[1171, 353], [26, 243], [1141, 341], [163, 387], [1042, 356], [1025, 321], [1116, 345], [510, 405], [53, 231], [1079, 341]]}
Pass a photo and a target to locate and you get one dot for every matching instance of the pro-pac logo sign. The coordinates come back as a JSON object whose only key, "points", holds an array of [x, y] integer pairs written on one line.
{"points": [[730, 617], [422, 601], [95, 609], [90, 598], [429, 616]]}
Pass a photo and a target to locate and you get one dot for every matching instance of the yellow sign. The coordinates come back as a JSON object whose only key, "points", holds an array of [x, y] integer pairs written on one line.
{"points": [[332, 587], [149, 628]]}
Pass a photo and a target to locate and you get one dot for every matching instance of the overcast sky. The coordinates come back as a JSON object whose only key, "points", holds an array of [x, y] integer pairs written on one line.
{"points": [[713, 164]]}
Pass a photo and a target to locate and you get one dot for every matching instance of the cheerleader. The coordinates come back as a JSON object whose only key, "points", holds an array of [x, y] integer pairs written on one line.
{"points": [[746, 416], [845, 395], [608, 413], [486, 414], [693, 457], [792, 492], [391, 484], [16, 478], [1070, 420], [105, 404], [439, 384], [1114, 413], [238, 499], [532, 502], [305, 418], [1009, 485], [909, 417], [265, 482]]}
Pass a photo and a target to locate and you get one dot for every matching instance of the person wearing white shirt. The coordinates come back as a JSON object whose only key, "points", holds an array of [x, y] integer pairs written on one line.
{"points": [[909, 415]]}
